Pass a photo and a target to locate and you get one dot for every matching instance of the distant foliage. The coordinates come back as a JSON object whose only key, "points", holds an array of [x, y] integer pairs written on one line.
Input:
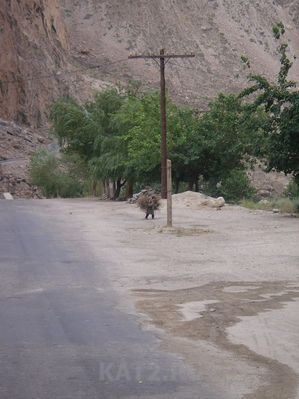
{"points": [[55, 177], [292, 190], [236, 186], [245, 60], [117, 136], [278, 30]]}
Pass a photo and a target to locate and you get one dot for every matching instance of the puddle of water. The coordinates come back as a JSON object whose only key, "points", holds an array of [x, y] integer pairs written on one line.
{"points": [[239, 288], [191, 310], [273, 334], [272, 296], [242, 326]]}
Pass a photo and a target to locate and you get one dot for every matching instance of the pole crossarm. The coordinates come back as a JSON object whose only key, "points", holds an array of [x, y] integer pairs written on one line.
{"points": [[151, 56]]}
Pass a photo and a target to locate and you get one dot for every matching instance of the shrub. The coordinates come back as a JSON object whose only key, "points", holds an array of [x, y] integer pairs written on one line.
{"points": [[54, 175], [235, 186], [292, 190], [250, 204], [296, 205], [285, 205]]}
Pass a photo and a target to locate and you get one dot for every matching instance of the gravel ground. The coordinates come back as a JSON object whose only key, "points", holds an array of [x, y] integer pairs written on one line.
{"points": [[220, 289]]}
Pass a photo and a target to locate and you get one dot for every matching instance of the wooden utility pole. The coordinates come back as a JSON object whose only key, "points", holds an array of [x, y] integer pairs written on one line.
{"points": [[169, 194], [163, 59], [164, 153]]}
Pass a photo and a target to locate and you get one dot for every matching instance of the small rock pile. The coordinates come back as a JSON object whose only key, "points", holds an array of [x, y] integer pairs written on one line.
{"points": [[196, 200], [17, 144], [18, 187]]}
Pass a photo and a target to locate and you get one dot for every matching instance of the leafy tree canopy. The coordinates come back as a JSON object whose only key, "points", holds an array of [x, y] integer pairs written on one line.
{"points": [[280, 101], [118, 137]]}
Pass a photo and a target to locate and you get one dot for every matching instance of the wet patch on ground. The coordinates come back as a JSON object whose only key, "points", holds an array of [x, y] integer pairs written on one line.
{"points": [[177, 231], [220, 306], [183, 231]]}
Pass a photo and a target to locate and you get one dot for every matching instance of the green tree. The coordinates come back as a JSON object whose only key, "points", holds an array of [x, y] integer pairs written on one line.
{"points": [[118, 137], [210, 145], [90, 131], [74, 126], [141, 116], [222, 140], [280, 100]]}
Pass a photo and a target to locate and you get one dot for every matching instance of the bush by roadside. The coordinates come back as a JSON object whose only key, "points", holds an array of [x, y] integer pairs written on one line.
{"points": [[235, 186], [292, 190], [56, 176], [283, 205]]}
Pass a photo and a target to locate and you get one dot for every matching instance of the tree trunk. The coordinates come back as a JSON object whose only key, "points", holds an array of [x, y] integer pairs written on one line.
{"points": [[197, 185], [118, 185], [94, 188], [177, 185], [190, 185], [129, 189], [106, 188], [109, 191]]}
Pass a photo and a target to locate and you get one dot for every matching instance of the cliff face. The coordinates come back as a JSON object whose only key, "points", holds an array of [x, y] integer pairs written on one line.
{"points": [[34, 43]]}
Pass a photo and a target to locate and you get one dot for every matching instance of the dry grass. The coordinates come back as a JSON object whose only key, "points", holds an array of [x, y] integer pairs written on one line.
{"points": [[284, 205]]}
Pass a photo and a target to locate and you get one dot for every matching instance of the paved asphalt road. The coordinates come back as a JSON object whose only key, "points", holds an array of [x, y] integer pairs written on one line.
{"points": [[61, 334]]}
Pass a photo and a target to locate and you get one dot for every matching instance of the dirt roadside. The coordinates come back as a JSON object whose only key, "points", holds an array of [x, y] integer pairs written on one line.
{"points": [[222, 290]]}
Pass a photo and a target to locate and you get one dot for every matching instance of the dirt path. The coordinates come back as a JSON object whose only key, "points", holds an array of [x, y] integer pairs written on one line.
{"points": [[221, 290]]}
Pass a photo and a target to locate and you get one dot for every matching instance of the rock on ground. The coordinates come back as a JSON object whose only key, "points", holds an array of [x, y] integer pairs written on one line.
{"points": [[195, 200]]}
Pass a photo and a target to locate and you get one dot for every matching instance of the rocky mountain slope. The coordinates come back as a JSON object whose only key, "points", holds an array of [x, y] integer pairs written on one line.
{"points": [[217, 31], [34, 41], [49, 45], [18, 144], [50, 48]]}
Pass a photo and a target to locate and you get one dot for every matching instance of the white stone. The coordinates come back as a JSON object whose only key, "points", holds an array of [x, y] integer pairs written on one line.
{"points": [[7, 196]]}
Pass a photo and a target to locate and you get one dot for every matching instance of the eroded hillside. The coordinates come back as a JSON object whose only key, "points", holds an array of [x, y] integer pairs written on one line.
{"points": [[218, 31], [49, 45]]}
